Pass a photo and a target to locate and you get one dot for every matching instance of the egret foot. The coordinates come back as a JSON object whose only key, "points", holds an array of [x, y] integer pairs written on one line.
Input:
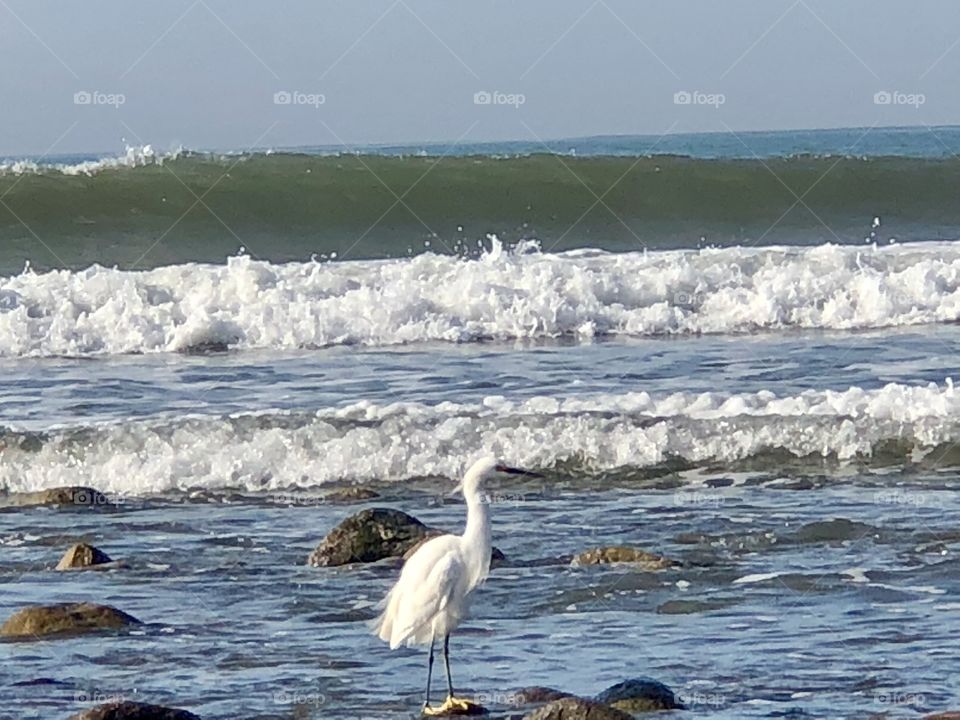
{"points": [[454, 706]]}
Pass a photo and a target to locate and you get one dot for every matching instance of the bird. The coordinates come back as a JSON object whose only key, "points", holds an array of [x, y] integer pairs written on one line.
{"points": [[429, 600]]}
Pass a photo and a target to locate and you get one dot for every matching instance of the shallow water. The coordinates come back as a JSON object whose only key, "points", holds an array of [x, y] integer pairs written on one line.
{"points": [[780, 603], [823, 584]]}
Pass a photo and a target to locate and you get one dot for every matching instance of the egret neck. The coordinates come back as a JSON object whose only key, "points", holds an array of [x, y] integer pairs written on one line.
{"points": [[477, 542]]}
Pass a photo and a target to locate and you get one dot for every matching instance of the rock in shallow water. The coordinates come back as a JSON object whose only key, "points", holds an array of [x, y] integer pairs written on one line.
{"points": [[375, 534], [355, 494], [536, 694], [74, 495], [82, 555], [368, 536], [64, 619], [574, 708], [639, 695], [133, 711], [633, 556]]}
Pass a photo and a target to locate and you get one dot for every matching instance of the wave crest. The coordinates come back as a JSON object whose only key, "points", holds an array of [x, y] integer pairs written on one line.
{"points": [[521, 293]]}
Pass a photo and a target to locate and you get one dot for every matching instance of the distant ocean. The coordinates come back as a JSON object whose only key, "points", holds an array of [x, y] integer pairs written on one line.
{"points": [[737, 351]]}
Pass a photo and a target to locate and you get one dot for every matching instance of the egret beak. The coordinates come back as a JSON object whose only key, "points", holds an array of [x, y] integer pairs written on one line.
{"points": [[516, 471]]}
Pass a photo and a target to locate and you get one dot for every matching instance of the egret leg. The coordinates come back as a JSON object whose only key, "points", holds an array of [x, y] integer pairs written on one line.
{"points": [[446, 662], [452, 705], [426, 697]]}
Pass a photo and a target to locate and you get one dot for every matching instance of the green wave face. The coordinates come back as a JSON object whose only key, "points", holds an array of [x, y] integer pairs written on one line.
{"points": [[288, 206]]}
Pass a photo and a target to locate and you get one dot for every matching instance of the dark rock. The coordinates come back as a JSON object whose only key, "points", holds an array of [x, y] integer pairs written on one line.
{"points": [[82, 555], [64, 619], [949, 715], [687, 607], [75, 495], [536, 695], [639, 695], [375, 534], [633, 556], [574, 708], [837, 530], [368, 536], [349, 495], [133, 711]]}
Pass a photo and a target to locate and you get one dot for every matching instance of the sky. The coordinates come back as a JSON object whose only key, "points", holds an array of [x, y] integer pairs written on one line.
{"points": [[232, 75]]}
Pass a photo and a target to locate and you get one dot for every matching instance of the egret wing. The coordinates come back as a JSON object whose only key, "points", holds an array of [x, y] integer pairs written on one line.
{"points": [[437, 596]]}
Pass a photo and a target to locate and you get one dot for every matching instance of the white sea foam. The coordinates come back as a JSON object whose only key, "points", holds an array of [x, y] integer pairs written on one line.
{"points": [[503, 294], [133, 156], [366, 441]]}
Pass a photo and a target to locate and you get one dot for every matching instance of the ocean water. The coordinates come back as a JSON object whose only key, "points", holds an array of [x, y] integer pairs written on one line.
{"points": [[700, 365]]}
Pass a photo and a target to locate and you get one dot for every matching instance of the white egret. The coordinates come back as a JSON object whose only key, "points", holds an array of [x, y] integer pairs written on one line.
{"points": [[430, 598]]}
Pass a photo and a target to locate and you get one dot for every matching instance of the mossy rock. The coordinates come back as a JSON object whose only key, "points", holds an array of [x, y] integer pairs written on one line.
{"points": [[368, 536], [81, 556], [70, 496], [42, 621], [623, 555], [574, 708], [133, 711], [345, 496], [639, 695]]}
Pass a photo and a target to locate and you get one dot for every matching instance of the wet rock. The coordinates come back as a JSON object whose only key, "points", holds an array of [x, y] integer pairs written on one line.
{"points": [[639, 695], [75, 495], [688, 607], [64, 619], [836, 530], [81, 556], [574, 708], [633, 556], [368, 536], [133, 711], [537, 695], [349, 495], [949, 715], [496, 556]]}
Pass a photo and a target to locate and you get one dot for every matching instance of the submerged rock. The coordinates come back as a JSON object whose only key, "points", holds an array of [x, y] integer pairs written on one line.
{"points": [[574, 708], [133, 711], [349, 495], [64, 619], [368, 536], [639, 695], [621, 554], [76, 495], [536, 695], [82, 555]]}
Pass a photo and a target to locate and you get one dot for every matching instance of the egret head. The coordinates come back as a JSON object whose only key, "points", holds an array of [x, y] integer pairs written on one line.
{"points": [[487, 468]]}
